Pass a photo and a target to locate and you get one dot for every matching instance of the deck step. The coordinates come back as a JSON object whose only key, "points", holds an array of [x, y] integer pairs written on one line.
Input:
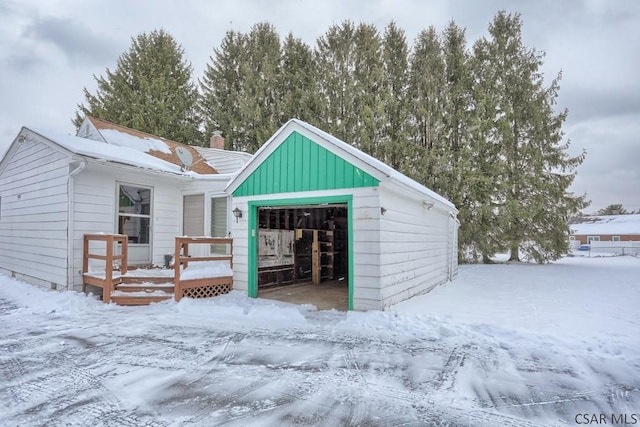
{"points": [[131, 279], [148, 287], [139, 298]]}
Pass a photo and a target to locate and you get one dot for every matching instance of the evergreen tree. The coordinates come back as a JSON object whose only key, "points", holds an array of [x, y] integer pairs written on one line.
{"points": [[480, 234], [456, 114], [615, 209], [239, 89], [534, 204], [465, 160], [368, 99], [222, 89], [335, 60], [298, 83], [151, 90], [426, 86], [260, 102], [394, 133]]}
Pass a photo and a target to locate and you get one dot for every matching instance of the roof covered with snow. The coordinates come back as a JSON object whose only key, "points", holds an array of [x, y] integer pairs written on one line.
{"points": [[607, 225], [100, 151], [224, 161], [383, 171], [152, 145]]}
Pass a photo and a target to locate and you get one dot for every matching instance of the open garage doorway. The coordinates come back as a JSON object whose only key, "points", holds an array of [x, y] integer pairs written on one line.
{"points": [[303, 254]]}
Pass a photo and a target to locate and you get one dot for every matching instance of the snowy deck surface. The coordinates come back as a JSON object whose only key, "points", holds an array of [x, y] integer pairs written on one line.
{"points": [[195, 270], [512, 345]]}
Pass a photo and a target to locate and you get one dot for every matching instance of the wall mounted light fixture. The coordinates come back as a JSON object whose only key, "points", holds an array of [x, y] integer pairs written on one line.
{"points": [[237, 213]]}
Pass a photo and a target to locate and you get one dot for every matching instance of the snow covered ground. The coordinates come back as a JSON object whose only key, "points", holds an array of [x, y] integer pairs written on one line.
{"points": [[515, 344]]}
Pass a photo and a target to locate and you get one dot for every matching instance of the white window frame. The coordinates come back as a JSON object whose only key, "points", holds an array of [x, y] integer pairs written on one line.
{"points": [[134, 215], [615, 238], [593, 239]]}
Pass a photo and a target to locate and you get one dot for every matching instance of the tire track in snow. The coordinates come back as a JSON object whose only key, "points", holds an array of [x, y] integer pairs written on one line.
{"points": [[65, 389]]}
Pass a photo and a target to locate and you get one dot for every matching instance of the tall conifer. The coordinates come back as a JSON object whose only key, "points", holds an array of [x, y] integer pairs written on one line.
{"points": [[534, 202], [151, 89], [395, 139]]}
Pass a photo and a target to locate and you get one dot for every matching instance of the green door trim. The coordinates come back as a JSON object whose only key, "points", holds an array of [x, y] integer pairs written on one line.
{"points": [[253, 234]]}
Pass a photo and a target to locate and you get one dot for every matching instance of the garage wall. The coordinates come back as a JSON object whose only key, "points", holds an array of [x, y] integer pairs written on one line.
{"points": [[414, 246]]}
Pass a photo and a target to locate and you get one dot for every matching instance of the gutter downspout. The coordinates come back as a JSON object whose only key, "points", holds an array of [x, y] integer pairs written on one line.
{"points": [[70, 219]]}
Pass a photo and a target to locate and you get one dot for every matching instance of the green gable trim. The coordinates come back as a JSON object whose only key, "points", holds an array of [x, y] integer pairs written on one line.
{"points": [[299, 164], [252, 288]]}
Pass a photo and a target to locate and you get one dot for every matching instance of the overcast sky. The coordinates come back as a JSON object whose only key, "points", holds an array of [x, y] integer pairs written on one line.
{"points": [[50, 50]]}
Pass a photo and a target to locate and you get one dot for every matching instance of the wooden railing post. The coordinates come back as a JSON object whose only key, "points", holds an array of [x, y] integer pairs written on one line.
{"points": [[124, 244], [182, 260], [85, 261], [177, 291], [107, 284], [108, 287]]}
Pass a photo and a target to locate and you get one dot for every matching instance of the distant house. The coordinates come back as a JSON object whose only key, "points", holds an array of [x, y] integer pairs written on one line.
{"points": [[605, 228], [109, 179]]}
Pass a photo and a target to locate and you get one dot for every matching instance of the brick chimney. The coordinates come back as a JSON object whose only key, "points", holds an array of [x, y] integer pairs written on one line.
{"points": [[217, 141]]}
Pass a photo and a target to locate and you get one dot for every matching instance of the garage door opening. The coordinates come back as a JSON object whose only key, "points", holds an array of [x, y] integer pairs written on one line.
{"points": [[303, 255]]}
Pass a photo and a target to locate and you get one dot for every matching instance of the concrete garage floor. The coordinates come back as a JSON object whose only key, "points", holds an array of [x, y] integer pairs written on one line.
{"points": [[325, 296]]}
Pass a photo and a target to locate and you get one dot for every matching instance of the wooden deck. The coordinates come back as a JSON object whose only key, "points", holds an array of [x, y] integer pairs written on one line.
{"points": [[123, 285]]}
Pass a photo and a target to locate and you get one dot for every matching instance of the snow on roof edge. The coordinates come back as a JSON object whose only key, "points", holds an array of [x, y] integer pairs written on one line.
{"points": [[383, 168], [100, 151], [608, 225], [377, 164]]}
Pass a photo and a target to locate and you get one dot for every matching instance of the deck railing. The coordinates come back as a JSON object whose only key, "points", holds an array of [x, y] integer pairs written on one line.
{"points": [[108, 256], [201, 286]]}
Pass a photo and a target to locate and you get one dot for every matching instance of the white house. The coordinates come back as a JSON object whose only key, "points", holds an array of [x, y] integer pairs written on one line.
{"points": [[54, 188], [312, 207], [307, 210]]}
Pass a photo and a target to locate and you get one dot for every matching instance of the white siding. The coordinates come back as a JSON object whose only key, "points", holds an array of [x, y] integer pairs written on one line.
{"points": [[239, 232], [94, 201], [366, 247], [33, 217], [414, 247]]}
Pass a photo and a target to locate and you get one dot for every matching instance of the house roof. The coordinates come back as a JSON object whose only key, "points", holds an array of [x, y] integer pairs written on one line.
{"points": [[367, 163], [607, 225], [224, 161], [152, 145], [104, 152]]}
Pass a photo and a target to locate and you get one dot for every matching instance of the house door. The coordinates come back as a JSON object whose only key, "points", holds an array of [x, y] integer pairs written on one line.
{"points": [[134, 220]]}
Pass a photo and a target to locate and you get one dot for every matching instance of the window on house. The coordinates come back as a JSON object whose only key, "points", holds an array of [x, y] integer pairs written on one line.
{"points": [[572, 238], [616, 238], [134, 213], [593, 239]]}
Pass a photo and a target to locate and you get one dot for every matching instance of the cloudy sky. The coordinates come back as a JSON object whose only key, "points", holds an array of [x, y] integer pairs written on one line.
{"points": [[50, 50]]}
